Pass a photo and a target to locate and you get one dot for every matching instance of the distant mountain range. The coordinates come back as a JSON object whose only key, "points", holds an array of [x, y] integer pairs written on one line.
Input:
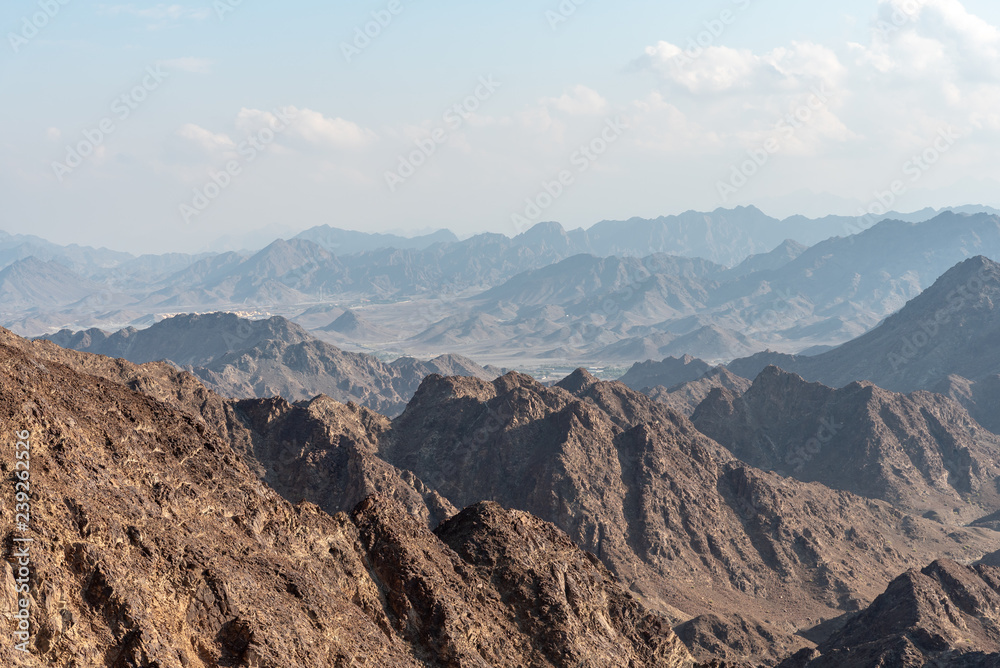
{"points": [[545, 296], [626, 309], [265, 358]]}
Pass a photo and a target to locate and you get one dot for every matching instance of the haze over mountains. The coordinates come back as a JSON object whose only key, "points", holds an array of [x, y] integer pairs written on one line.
{"points": [[614, 294]]}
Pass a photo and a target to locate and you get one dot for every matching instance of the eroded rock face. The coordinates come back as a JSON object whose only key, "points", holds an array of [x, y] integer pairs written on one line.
{"points": [[734, 637], [943, 615], [686, 397], [155, 544], [921, 452], [671, 512], [502, 588], [325, 452]]}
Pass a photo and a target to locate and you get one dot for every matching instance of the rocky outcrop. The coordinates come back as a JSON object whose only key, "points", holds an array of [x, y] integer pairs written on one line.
{"points": [[921, 452], [943, 615], [686, 397]]}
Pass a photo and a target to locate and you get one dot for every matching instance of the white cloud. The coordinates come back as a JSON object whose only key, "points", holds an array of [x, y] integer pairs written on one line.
{"points": [[205, 140], [719, 69], [307, 130], [926, 64], [318, 130], [579, 101]]}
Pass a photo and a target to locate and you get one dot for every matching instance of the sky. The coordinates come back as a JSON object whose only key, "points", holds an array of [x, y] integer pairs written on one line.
{"points": [[154, 127]]}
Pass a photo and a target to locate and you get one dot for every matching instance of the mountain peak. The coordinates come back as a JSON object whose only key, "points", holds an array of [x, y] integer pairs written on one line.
{"points": [[346, 322], [579, 381]]}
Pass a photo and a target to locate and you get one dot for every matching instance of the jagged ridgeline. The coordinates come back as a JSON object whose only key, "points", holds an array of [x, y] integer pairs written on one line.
{"points": [[175, 527]]}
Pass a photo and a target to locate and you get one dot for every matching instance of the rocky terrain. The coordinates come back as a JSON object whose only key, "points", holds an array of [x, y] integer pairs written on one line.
{"points": [[243, 358], [943, 615], [155, 544], [944, 340], [686, 397], [675, 515], [921, 452]]}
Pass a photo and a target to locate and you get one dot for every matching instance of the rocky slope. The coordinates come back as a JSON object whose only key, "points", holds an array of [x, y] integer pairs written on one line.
{"points": [[671, 512], [686, 397], [946, 614], [942, 340], [667, 372], [921, 452], [743, 560], [155, 544]]}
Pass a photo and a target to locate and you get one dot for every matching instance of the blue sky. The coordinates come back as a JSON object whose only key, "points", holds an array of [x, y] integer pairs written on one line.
{"points": [[792, 106]]}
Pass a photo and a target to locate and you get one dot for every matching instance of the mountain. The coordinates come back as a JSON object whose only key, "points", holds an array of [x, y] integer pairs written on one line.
{"points": [[266, 358], [921, 452], [80, 259], [669, 372], [723, 236], [740, 559], [32, 284], [555, 297], [683, 523], [942, 615], [711, 341], [613, 310], [154, 543], [788, 251], [942, 340], [349, 242], [351, 325], [852, 276], [686, 397]]}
